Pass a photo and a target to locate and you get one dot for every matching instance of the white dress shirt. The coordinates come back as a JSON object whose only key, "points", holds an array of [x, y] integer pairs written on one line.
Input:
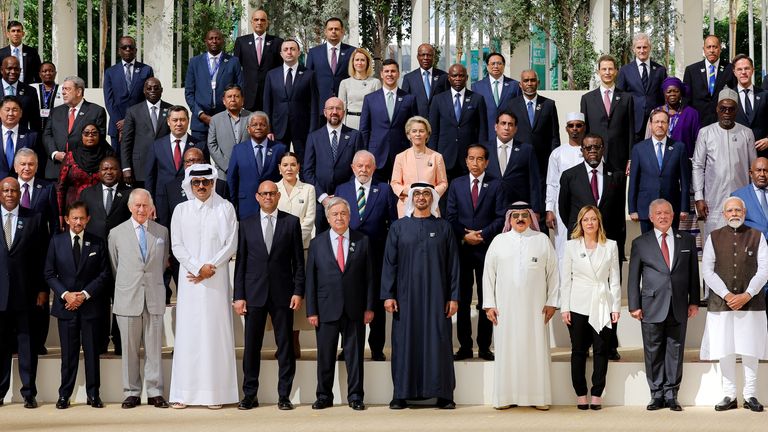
{"points": [[328, 52], [751, 96], [293, 72], [136, 230], [663, 146], [104, 194], [479, 183], [182, 144], [670, 243]]}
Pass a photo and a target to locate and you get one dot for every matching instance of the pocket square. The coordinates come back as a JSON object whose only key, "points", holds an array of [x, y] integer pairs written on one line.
{"points": [[92, 254], [685, 251]]}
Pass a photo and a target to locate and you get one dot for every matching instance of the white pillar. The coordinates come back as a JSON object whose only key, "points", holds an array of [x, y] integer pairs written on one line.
{"points": [[353, 32], [419, 28], [600, 18], [518, 60], [689, 43], [158, 37], [245, 20], [64, 44]]}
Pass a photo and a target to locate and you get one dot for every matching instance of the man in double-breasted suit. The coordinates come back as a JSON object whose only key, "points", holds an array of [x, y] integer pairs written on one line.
{"points": [[330, 61], [705, 80], [426, 81], [496, 88], [138, 251], [269, 279], [24, 93], [18, 134], [664, 261], [228, 128], [258, 53], [753, 103]]}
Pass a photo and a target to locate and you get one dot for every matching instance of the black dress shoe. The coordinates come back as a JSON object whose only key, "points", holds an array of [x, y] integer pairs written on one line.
{"points": [[753, 404], [42, 351], [62, 403], [614, 356], [727, 404], [284, 404], [357, 405], [673, 405], [131, 402], [583, 407], [158, 402], [446, 403], [595, 407], [95, 402], [398, 404], [30, 402], [248, 402], [378, 356], [655, 404], [463, 355], [322, 404], [487, 355]]}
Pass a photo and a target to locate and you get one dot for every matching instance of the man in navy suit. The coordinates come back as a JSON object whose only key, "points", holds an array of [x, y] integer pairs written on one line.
{"points": [[290, 94], [496, 88], [660, 169], [269, 279], [258, 53], [458, 119], [753, 103], [642, 78], [330, 60], [164, 159], [15, 135], [382, 135], [426, 81], [28, 56], [328, 162], [706, 78], [476, 212], [123, 87], [77, 271], [25, 94], [207, 76], [253, 162]]}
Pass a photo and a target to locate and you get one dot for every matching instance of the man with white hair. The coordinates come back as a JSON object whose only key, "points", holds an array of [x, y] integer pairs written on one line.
{"points": [[735, 267]]}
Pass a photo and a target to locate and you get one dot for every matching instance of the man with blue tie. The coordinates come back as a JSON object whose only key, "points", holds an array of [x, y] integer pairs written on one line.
{"points": [[330, 60], [253, 162], [705, 80], [426, 81], [496, 88], [660, 169], [15, 135]]}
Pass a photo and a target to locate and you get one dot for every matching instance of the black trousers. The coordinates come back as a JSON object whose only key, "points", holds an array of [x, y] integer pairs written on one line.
{"points": [[15, 325], [582, 337], [72, 333], [378, 327], [471, 261], [353, 332], [663, 348], [282, 323], [40, 319]]}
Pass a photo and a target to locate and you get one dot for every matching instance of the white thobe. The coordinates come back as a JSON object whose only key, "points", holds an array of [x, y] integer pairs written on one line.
{"points": [[520, 277], [562, 158], [204, 369]]}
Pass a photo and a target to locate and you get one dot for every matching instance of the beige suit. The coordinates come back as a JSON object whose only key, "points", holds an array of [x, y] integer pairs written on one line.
{"points": [[300, 203]]}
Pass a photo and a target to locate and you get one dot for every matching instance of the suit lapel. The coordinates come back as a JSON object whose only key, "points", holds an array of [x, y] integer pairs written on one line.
{"points": [[85, 249], [667, 154], [343, 144]]}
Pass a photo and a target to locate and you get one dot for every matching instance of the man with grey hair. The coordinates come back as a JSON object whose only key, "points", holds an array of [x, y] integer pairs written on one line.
{"points": [[63, 130]]}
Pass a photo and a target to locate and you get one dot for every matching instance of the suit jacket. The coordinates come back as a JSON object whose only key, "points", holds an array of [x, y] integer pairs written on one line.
{"points": [[451, 137], [117, 96], [758, 121], [698, 96], [275, 275], [244, 178], [328, 81], [222, 139], [254, 73], [380, 136], [288, 112], [413, 83], [138, 136], [647, 182], [31, 60], [138, 282], [380, 211], [103, 221], [510, 89], [22, 276], [320, 168], [755, 218], [544, 135], [488, 216], [26, 139], [330, 291], [599, 272], [200, 97], [617, 130], [663, 288], [160, 168], [44, 201], [521, 181], [645, 98], [30, 106], [56, 136], [92, 275]]}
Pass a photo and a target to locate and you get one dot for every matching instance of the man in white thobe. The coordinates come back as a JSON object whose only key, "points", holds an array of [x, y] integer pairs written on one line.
{"points": [[203, 239], [520, 293]]}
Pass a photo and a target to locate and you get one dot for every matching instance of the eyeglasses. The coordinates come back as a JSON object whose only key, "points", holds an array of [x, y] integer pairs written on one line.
{"points": [[594, 147], [725, 109], [90, 133], [574, 125], [422, 193], [267, 194], [127, 47], [204, 182], [521, 215]]}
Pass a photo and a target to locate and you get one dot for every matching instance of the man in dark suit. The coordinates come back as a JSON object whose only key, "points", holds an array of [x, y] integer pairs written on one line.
{"points": [[642, 77], [164, 159], [77, 271], [340, 299], [706, 78], [382, 135], [269, 279], [207, 76], [476, 211], [753, 103], [610, 113], [22, 288], [25, 94], [660, 170], [15, 135], [123, 87], [28, 56], [665, 262], [258, 53], [330, 61], [426, 81], [458, 119], [290, 93], [145, 122], [328, 162], [496, 88], [63, 130]]}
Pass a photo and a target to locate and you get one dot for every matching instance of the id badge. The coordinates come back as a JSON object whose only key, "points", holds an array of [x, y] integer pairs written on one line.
{"points": [[45, 113]]}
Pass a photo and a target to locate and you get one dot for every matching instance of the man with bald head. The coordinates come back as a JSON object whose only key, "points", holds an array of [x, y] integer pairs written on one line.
{"points": [[26, 95], [705, 80], [426, 81], [259, 53]]}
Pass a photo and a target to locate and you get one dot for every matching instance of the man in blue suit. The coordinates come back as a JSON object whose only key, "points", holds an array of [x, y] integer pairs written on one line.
{"points": [[207, 76], [328, 162], [382, 132], [251, 163], [330, 61], [642, 78], [476, 211], [124, 87], [660, 169], [291, 99], [15, 135], [426, 81], [496, 88]]}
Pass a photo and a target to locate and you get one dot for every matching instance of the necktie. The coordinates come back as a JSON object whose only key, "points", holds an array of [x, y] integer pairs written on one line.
{"points": [[7, 230], [143, 243], [747, 104], [17, 54], [10, 91], [340, 253], [71, 121], [457, 106], [289, 82], [110, 198], [269, 234], [607, 102], [427, 84], [530, 112], [128, 75], [763, 202], [390, 105], [258, 49], [334, 60], [644, 76], [153, 117], [475, 192], [25, 200], [334, 144], [665, 248], [496, 92], [712, 78], [9, 149], [259, 158], [361, 201], [177, 154], [659, 155], [76, 251], [593, 185], [503, 158]]}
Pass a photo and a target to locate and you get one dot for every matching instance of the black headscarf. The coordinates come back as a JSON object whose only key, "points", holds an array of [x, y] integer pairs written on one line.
{"points": [[89, 158]]}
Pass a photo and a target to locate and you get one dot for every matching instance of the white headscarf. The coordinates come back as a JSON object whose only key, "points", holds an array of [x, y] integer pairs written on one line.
{"points": [[409, 207], [206, 171]]}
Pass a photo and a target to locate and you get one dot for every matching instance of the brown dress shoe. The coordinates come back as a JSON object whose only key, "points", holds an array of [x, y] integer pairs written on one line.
{"points": [[131, 402], [158, 402]]}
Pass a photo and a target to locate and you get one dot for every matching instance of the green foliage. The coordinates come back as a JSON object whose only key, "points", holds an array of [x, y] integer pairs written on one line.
{"points": [[585, 57], [742, 39], [207, 15], [303, 19]]}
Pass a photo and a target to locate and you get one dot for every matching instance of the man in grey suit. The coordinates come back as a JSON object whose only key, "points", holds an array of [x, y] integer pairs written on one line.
{"points": [[666, 263], [228, 128], [138, 249]]}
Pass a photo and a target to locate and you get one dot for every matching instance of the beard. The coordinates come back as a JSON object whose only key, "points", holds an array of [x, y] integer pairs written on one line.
{"points": [[735, 222]]}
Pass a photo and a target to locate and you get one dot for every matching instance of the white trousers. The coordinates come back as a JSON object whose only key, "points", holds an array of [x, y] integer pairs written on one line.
{"points": [[728, 369]]}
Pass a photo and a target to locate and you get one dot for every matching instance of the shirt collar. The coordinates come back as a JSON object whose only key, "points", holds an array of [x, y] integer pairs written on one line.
{"points": [[263, 142], [599, 168], [425, 70], [639, 62], [72, 236], [15, 212], [335, 236], [662, 141], [15, 130], [214, 57], [604, 88], [133, 63], [331, 129], [337, 46], [479, 178], [534, 99], [751, 88], [286, 66], [708, 64], [182, 139], [31, 184], [461, 92], [658, 233], [757, 189], [78, 106], [6, 84], [366, 185], [136, 224], [499, 143], [105, 187], [264, 214], [150, 105]]}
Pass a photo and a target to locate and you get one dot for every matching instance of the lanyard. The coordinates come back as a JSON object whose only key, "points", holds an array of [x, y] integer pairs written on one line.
{"points": [[215, 69], [47, 94]]}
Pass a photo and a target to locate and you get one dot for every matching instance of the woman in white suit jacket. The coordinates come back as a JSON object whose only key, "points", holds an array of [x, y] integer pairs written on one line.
{"points": [[590, 301]]}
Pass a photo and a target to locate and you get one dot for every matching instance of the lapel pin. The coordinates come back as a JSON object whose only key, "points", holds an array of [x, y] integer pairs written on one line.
{"points": [[250, 43], [301, 72], [534, 259], [670, 148], [703, 70], [23, 54], [20, 225], [21, 136], [136, 70], [749, 253], [506, 84], [184, 194], [517, 148], [610, 174], [301, 201], [346, 137], [81, 113], [375, 190], [757, 97], [678, 236], [269, 43], [226, 60], [618, 97], [429, 164], [538, 107], [583, 255], [343, 53], [87, 243], [467, 99], [269, 152], [399, 99], [119, 195], [721, 68], [431, 235], [485, 185], [434, 78], [352, 244]]}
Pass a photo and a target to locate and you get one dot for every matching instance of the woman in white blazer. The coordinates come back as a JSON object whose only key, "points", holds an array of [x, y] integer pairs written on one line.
{"points": [[590, 301]]}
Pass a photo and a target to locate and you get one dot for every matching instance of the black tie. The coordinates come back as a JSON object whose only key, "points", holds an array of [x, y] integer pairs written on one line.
{"points": [[747, 104], [76, 251], [289, 82], [644, 76]]}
